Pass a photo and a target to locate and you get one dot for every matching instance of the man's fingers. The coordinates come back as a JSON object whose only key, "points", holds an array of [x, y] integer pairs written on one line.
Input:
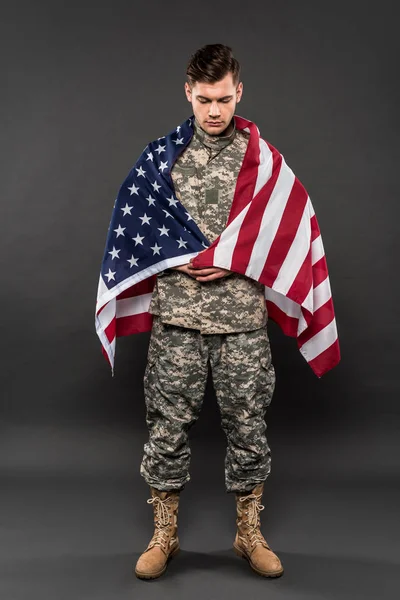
{"points": [[210, 277], [206, 271]]}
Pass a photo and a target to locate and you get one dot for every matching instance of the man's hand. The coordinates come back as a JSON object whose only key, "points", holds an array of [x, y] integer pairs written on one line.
{"points": [[206, 274]]}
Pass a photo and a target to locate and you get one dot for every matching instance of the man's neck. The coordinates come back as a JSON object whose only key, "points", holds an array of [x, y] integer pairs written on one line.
{"points": [[223, 138]]}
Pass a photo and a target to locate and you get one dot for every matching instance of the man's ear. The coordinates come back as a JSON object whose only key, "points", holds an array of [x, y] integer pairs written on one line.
{"points": [[239, 91], [188, 92]]}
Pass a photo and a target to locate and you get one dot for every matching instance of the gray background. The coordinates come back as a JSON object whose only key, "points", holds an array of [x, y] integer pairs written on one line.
{"points": [[85, 87]]}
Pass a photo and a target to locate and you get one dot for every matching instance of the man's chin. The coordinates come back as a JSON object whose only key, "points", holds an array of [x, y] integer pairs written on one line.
{"points": [[214, 130]]}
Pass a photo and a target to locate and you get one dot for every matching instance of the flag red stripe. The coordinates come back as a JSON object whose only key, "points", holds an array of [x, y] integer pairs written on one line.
{"points": [[246, 181], [315, 232], [286, 323], [325, 361], [134, 324], [320, 271], [300, 287], [286, 233], [143, 287], [251, 223], [321, 318]]}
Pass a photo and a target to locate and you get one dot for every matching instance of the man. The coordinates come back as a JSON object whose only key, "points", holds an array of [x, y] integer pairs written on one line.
{"points": [[210, 230], [208, 315]]}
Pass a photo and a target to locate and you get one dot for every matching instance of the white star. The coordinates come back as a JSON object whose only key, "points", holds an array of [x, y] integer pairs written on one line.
{"points": [[163, 165], [161, 138], [172, 201], [163, 230], [114, 253], [127, 209], [141, 172], [138, 239], [132, 261], [156, 249], [149, 156], [150, 200], [205, 245], [178, 129], [120, 230], [167, 213], [189, 217], [178, 141], [181, 243], [156, 187], [134, 189], [145, 219], [160, 149], [110, 275]]}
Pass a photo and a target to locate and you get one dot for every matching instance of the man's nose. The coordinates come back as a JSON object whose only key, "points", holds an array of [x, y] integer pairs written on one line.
{"points": [[214, 109]]}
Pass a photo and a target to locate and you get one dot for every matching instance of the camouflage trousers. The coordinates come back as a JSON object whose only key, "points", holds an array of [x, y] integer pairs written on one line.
{"points": [[174, 385]]}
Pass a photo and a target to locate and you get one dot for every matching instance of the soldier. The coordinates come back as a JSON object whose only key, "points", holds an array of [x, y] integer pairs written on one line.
{"points": [[214, 315]]}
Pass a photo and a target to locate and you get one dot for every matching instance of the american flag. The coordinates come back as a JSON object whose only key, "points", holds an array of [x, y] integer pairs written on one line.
{"points": [[271, 236]]}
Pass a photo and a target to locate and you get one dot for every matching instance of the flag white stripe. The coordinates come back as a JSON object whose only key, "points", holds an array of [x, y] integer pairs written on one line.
{"points": [[264, 170], [294, 259], [270, 221], [127, 307], [290, 308], [322, 293], [320, 341], [317, 250], [224, 249]]}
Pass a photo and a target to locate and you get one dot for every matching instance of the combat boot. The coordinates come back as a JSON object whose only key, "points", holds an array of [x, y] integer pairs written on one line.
{"points": [[164, 543], [249, 541]]}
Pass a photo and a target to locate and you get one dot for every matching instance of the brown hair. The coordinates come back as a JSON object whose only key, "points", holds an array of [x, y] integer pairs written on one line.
{"points": [[212, 63]]}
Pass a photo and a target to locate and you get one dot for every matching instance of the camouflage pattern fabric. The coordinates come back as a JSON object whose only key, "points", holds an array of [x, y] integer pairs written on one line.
{"points": [[174, 385], [205, 177]]}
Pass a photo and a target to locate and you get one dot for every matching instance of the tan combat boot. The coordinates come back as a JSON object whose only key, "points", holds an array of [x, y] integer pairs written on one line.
{"points": [[249, 541], [164, 543]]}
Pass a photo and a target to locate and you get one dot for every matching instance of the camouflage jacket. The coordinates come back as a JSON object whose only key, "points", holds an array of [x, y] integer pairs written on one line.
{"points": [[204, 178]]}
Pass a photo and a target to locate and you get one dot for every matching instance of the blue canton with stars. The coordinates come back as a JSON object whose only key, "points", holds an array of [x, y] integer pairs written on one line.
{"points": [[149, 224]]}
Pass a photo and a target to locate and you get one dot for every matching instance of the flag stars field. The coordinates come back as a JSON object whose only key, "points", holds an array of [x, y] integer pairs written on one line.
{"points": [[114, 253], [138, 239], [126, 210], [156, 187], [182, 243], [145, 219], [163, 230], [141, 172], [120, 230], [133, 261], [160, 149], [156, 249], [134, 189], [172, 201], [110, 275], [150, 200]]}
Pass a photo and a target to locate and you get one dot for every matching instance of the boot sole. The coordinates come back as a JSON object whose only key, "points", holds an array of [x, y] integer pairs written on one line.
{"points": [[142, 575], [242, 554]]}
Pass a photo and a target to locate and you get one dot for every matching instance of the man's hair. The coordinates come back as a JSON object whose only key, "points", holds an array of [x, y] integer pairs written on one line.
{"points": [[212, 63]]}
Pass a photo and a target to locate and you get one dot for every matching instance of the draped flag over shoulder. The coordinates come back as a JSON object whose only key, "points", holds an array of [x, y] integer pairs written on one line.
{"points": [[271, 236]]}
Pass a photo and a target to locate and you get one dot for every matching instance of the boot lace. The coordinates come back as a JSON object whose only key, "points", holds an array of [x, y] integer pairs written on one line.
{"points": [[253, 519], [162, 521]]}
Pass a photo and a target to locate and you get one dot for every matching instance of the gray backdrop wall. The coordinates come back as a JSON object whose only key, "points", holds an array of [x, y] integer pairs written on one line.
{"points": [[85, 87]]}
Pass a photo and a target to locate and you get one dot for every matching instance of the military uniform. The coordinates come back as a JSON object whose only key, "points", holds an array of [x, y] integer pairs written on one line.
{"points": [[223, 321]]}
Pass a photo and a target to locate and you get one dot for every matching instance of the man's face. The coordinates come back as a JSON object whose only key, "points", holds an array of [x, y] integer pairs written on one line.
{"points": [[214, 104]]}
